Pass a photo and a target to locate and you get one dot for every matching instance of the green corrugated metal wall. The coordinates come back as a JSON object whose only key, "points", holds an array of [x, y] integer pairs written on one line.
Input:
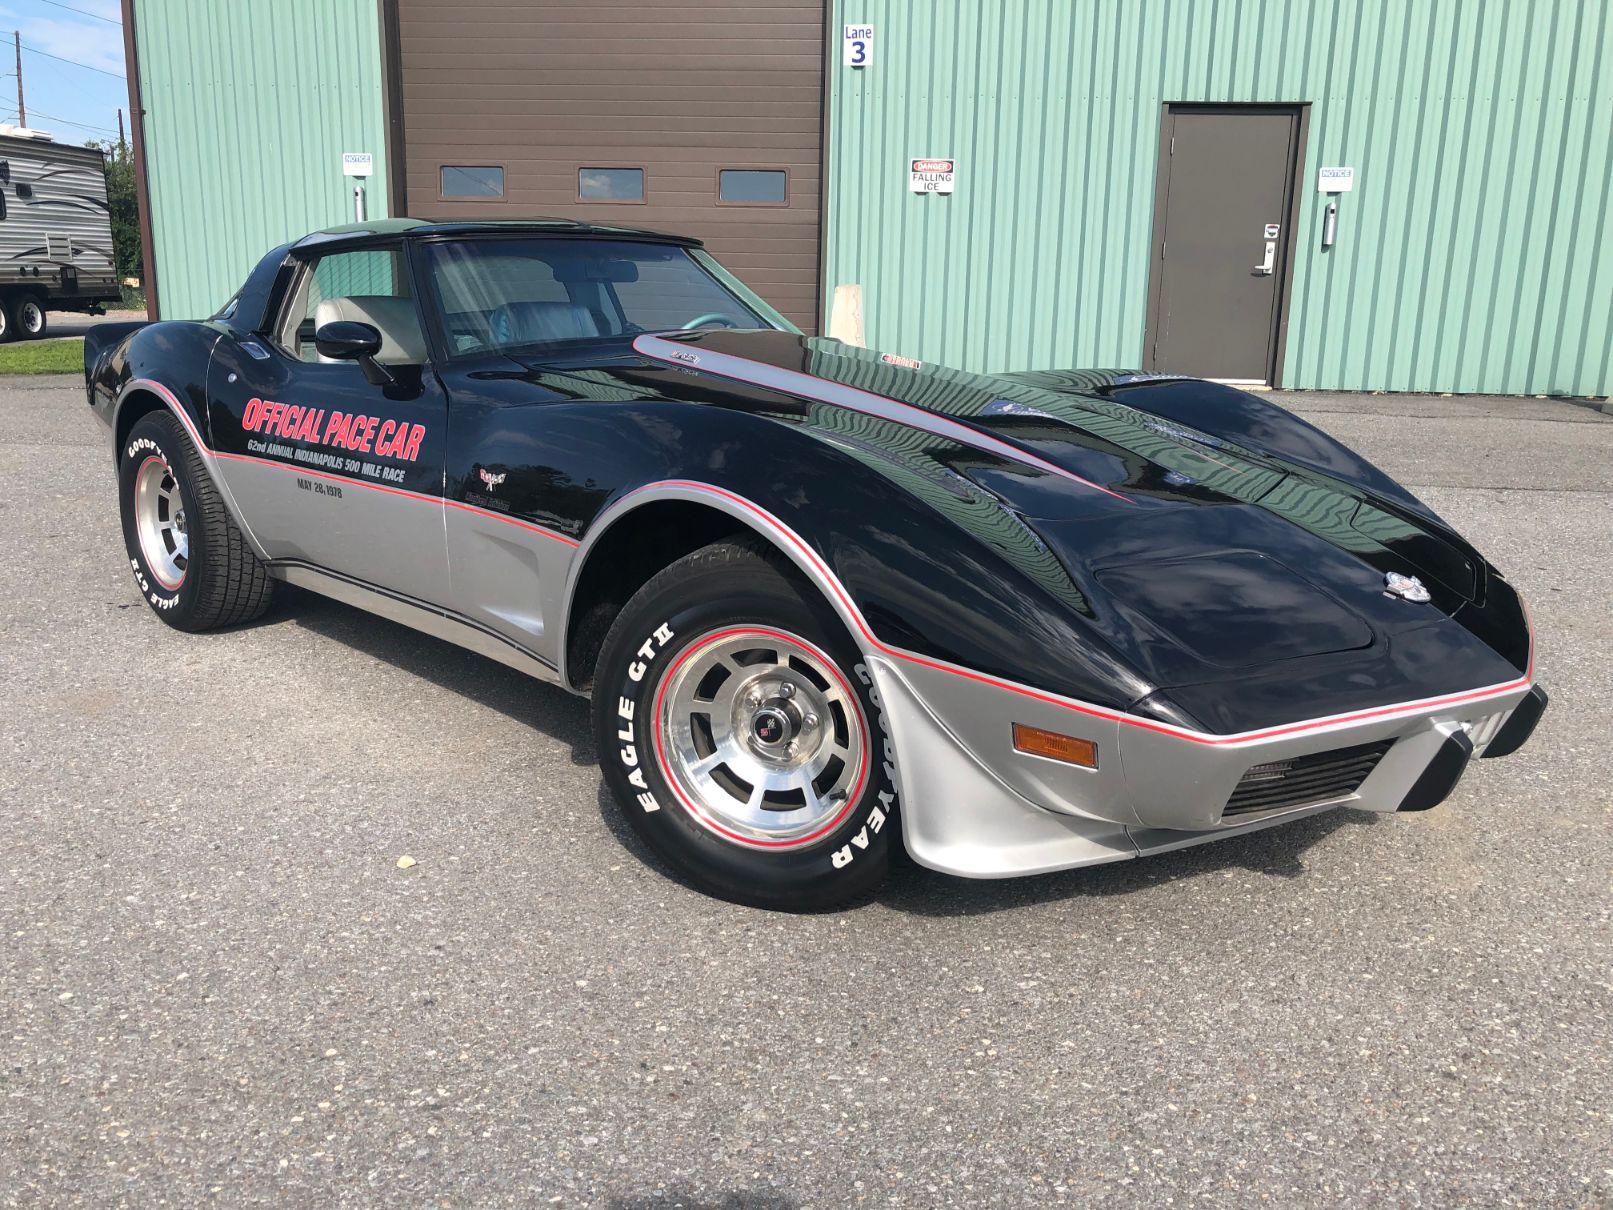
{"points": [[1473, 254], [249, 108]]}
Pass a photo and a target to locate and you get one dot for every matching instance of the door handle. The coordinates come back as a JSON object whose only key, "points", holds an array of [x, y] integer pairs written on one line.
{"points": [[1264, 268]]}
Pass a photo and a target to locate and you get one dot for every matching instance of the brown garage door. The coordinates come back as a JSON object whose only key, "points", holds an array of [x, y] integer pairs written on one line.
{"points": [[625, 100]]}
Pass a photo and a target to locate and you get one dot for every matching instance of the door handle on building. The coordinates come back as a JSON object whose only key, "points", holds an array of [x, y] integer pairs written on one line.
{"points": [[1264, 268]]}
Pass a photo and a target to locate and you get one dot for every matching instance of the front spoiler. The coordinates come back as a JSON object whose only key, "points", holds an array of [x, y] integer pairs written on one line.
{"points": [[973, 806]]}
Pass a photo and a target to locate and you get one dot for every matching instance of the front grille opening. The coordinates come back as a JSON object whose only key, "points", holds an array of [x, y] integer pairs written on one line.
{"points": [[1303, 780]]}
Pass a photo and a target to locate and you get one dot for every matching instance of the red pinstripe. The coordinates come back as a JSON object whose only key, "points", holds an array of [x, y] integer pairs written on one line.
{"points": [[1130, 720], [811, 556]]}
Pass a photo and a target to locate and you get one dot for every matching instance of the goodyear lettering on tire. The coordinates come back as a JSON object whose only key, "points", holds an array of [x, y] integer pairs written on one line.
{"points": [[882, 811]]}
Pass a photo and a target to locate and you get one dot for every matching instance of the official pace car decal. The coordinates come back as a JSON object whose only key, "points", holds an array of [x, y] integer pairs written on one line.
{"points": [[343, 434]]}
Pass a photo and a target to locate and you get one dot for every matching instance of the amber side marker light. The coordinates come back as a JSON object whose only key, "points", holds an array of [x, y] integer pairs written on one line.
{"points": [[1054, 746]]}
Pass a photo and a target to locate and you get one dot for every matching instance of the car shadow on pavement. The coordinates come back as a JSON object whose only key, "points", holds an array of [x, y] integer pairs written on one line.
{"points": [[1274, 851], [551, 711], [545, 708]]}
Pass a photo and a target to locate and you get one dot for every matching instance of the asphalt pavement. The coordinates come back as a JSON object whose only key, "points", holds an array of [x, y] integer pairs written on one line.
{"points": [[216, 983]]}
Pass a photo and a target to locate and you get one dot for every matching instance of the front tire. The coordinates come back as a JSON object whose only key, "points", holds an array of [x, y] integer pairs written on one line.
{"points": [[741, 734], [192, 564]]}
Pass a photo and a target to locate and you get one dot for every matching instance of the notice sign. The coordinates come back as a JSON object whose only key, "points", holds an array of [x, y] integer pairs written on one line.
{"points": [[857, 46], [931, 176], [357, 163], [1335, 180]]}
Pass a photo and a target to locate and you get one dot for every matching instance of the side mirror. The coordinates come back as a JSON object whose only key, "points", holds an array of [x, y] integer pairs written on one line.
{"points": [[349, 340]]}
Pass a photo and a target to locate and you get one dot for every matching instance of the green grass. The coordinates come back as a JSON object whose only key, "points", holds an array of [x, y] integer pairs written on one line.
{"points": [[43, 356]]}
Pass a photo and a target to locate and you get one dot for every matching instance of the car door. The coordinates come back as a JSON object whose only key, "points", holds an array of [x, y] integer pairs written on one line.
{"points": [[329, 469]]}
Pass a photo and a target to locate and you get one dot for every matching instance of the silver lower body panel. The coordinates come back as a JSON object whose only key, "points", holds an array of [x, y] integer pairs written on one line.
{"points": [[974, 806], [425, 618]]}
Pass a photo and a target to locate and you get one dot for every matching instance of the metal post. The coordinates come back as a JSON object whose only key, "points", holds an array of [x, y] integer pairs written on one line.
{"points": [[358, 201]]}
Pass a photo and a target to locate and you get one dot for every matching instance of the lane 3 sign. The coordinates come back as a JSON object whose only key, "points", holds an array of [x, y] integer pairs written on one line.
{"points": [[857, 46], [931, 176]]}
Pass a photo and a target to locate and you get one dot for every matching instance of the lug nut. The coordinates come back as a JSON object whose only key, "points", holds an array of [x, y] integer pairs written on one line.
{"points": [[810, 721], [786, 690]]}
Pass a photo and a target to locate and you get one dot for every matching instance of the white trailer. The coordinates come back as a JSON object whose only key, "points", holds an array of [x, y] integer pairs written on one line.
{"points": [[55, 231]]}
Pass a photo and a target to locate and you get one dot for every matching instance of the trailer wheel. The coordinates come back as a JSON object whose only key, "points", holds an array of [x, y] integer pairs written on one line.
{"points": [[29, 320], [8, 325]]}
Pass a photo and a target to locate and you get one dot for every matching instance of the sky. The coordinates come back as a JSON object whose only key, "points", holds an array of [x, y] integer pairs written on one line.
{"points": [[67, 99]]}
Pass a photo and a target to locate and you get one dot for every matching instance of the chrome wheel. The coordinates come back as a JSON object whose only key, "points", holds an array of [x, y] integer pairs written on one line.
{"points": [[159, 521], [761, 737], [32, 317]]}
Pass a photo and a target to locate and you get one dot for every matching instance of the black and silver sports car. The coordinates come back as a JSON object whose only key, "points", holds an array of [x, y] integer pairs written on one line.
{"points": [[818, 594]]}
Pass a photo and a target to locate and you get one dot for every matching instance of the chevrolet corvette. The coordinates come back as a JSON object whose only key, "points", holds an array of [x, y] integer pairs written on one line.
{"points": [[826, 601]]}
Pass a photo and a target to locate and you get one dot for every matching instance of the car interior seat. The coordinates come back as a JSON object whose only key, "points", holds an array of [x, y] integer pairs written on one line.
{"points": [[402, 341], [520, 323]]}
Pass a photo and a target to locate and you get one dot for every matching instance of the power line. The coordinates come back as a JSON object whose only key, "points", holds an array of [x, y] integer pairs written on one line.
{"points": [[39, 113], [34, 50], [81, 11]]}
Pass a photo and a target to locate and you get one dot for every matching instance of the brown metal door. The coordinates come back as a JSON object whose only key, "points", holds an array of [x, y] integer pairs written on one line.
{"points": [[1221, 240]]}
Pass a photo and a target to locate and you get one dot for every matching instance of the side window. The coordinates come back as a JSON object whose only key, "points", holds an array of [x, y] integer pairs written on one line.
{"points": [[371, 286]]}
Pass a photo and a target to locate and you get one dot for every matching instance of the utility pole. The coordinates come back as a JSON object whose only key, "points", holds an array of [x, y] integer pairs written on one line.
{"points": [[123, 150], [22, 112]]}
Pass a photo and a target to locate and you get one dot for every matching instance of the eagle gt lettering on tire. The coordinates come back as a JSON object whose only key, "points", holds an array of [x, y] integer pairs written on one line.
{"points": [[742, 736]]}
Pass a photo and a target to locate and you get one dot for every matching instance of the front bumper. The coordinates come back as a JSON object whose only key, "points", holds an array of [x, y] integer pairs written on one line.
{"points": [[972, 805]]}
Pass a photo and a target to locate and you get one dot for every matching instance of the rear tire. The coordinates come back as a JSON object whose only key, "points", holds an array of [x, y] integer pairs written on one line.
{"points": [[29, 317], [8, 325], [741, 735], [192, 564]]}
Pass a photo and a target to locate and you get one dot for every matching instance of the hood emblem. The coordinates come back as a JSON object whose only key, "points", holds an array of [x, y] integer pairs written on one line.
{"points": [[1408, 588], [492, 480]]}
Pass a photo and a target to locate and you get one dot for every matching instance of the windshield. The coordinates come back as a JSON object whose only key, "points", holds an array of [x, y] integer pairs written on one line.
{"points": [[512, 293]]}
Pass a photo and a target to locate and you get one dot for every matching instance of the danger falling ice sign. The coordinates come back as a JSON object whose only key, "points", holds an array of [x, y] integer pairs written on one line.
{"points": [[931, 176]]}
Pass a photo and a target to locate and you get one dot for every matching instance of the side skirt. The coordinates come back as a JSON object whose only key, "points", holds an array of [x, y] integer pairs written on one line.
{"points": [[428, 619]]}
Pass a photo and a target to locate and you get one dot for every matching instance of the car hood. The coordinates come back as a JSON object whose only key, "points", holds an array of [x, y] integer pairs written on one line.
{"points": [[1194, 552]]}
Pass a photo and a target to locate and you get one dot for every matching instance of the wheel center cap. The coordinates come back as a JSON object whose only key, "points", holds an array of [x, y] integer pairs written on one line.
{"points": [[772, 727]]}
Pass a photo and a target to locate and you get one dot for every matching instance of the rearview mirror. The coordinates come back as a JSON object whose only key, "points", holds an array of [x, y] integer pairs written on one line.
{"points": [[350, 340], [595, 269]]}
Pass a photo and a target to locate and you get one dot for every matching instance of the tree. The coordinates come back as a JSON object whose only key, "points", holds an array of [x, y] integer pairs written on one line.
{"points": [[120, 201]]}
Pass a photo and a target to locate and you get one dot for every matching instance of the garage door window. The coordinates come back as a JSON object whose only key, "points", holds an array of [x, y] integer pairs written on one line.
{"points": [[473, 182], [610, 185], [753, 187]]}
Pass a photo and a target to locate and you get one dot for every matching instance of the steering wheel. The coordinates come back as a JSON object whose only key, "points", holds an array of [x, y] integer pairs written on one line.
{"points": [[718, 318]]}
